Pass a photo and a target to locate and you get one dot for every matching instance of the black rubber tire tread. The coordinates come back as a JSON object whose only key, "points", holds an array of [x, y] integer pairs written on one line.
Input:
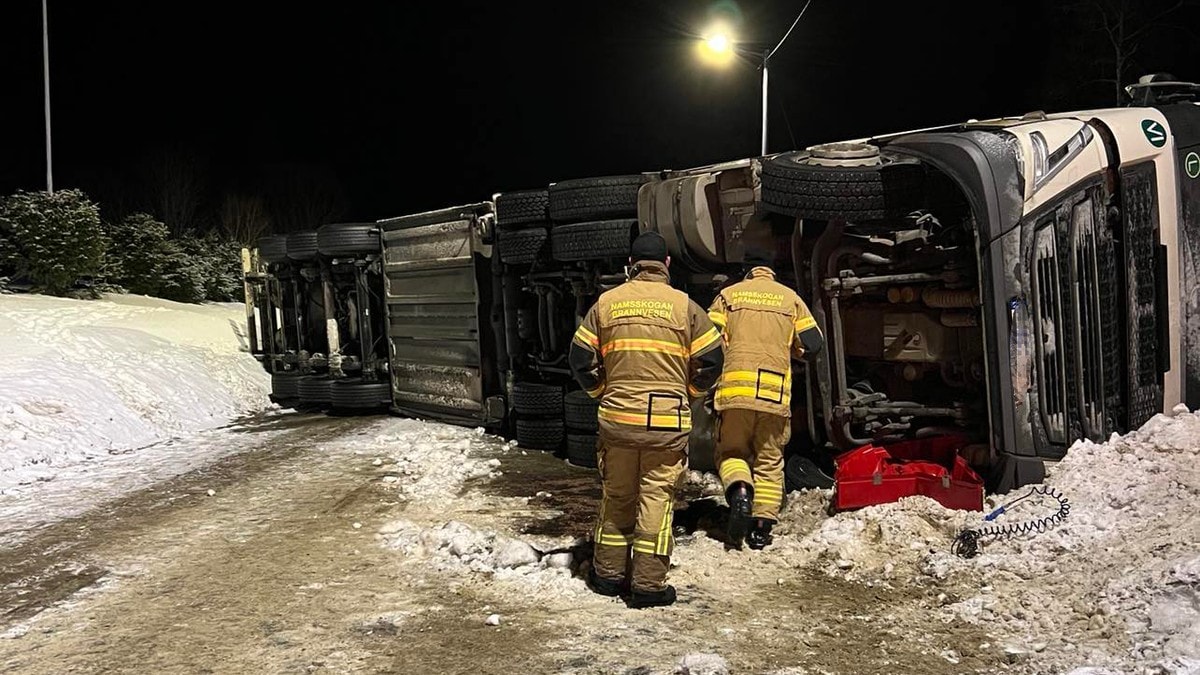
{"points": [[314, 389], [273, 248], [533, 398], [348, 239], [823, 193], [579, 412], [352, 393], [522, 247], [581, 450], [800, 472], [522, 207], [595, 198], [302, 246], [540, 434], [285, 385], [595, 240]]}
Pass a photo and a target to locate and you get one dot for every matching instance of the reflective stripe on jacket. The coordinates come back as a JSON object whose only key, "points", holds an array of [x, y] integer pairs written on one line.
{"points": [[645, 350], [765, 324]]}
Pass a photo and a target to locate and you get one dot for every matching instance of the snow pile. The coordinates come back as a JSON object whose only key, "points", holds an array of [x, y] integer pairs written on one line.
{"points": [[702, 664], [435, 460], [1116, 585], [867, 544], [1123, 572], [457, 547], [83, 379]]}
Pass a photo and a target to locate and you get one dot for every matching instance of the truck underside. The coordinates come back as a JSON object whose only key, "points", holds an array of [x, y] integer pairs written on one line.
{"points": [[955, 299]]}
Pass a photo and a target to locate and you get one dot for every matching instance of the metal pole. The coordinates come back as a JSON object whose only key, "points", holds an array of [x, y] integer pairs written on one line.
{"points": [[766, 58], [46, 77]]}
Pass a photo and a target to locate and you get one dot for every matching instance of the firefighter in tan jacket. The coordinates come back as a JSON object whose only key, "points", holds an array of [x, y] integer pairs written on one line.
{"points": [[645, 350], [764, 324]]}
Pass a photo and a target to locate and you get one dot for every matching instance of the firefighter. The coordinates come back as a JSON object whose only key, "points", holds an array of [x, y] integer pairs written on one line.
{"points": [[764, 325], [645, 350]]}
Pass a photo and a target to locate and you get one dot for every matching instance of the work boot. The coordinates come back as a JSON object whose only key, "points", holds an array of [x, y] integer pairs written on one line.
{"points": [[644, 599], [739, 500], [760, 534], [607, 587]]}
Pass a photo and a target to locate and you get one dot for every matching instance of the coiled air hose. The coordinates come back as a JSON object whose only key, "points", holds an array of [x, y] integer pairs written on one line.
{"points": [[966, 544]]}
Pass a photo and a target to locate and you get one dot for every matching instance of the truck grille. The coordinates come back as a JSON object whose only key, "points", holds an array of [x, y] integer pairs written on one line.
{"points": [[1088, 323], [1145, 390], [1048, 329]]}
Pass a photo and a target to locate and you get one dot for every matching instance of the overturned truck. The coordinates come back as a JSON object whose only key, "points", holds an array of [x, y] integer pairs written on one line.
{"points": [[1024, 282]]}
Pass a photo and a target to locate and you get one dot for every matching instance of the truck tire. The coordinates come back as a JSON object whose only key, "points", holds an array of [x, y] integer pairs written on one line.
{"points": [[314, 390], [273, 248], [852, 181], [595, 198], [581, 450], [594, 240], [540, 434], [522, 247], [285, 386], [302, 246], [800, 473], [532, 398], [355, 394], [348, 239], [580, 410], [522, 207]]}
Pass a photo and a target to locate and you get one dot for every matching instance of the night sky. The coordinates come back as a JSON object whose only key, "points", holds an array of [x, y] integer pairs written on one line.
{"points": [[421, 105]]}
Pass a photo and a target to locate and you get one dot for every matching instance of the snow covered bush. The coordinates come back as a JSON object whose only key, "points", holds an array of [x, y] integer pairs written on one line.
{"points": [[51, 239], [143, 259], [220, 265]]}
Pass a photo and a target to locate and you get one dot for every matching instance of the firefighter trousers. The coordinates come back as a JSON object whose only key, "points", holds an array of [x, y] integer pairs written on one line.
{"points": [[636, 513], [750, 450]]}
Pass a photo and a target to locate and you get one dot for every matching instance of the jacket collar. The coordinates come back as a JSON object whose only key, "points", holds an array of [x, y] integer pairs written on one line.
{"points": [[650, 270], [761, 272]]}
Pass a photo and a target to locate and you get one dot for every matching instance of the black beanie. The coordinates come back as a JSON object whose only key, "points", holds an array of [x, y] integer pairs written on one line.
{"points": [[649, 246], [758, 256]]}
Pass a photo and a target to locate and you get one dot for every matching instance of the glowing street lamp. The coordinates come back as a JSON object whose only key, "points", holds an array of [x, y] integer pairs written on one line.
{"points": [[718, 47]]}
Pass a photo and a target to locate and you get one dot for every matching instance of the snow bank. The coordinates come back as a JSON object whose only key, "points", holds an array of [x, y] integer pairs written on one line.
{"points": [[1116, 586], [84, 379], [459, 548], [435, 460]]}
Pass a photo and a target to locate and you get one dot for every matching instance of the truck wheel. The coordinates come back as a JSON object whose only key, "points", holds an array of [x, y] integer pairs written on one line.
{"points": [[314, 390], [521, 247], [580, 411], [540, 434], [285, 388], [348, 239], [355, 394], [595, 198], [273, 248], [848, 180], [581, 450], [593, 240], [800, 472], [302, 246], [532, 398], [521, 207]]}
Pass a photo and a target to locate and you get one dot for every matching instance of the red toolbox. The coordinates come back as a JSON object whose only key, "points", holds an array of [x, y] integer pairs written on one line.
{"points": [[927, 466]]}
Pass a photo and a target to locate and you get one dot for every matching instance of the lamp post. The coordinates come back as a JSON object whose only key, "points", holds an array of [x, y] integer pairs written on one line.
{"points": [[46, 78], [719, 47]]}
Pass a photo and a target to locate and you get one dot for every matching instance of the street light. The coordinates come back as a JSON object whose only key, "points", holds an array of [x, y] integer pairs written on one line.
{"points": [[719, 47], [46, 74]]}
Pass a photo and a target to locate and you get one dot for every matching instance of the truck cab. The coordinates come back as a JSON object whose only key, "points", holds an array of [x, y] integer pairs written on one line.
{"points": [[1027, 281]]}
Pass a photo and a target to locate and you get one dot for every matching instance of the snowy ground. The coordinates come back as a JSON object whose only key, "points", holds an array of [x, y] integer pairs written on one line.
{"points": [[290, 542], [348, 545], [84, 381]]}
